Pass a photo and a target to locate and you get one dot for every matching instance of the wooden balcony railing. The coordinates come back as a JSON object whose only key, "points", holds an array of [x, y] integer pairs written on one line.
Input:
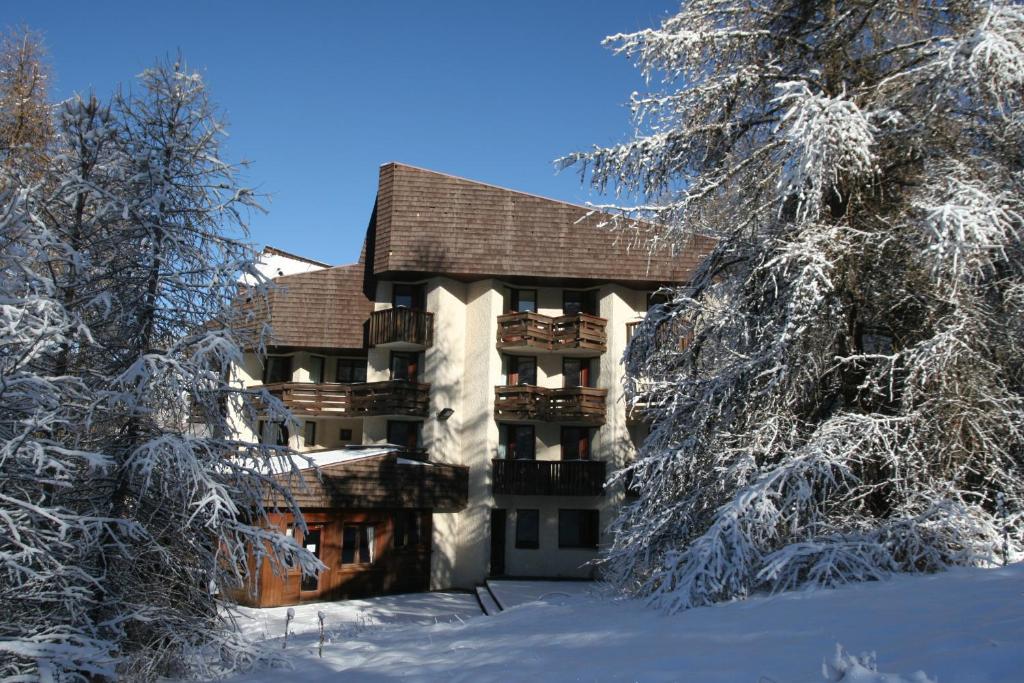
{"points": [[401, 327], [675, 332], [581, 405], [548, 477], [544, 333], [631, 329], [392, 397]]}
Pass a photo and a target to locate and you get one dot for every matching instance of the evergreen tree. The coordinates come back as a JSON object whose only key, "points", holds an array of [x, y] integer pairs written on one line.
{"points": [[25, 121], [131, 502], [837, 394]]}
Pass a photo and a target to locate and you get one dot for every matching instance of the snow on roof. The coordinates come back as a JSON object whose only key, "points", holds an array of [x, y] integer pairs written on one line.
{"points": [[349, 454]]}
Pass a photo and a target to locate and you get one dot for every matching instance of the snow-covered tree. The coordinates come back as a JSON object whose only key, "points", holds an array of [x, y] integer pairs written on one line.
{"points": [[131, 504], [45, 584], [184, 503], [847, 401]]}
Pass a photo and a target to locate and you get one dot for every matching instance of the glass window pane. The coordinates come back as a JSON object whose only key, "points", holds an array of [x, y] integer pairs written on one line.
{"points": [[527, 528], [578, 528], [524, 300], [278, 369], [316, 369], [572, 370], [522, 370], [407, 296], [575, 443], [364, 544], [572, 303], [523, 442], [404, 366], [349, 540]]}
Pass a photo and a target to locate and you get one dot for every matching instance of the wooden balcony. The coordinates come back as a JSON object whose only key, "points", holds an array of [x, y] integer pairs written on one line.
{"points": [[365, 399], [401, 328], [575, 405], [548, 477], [579, 335]]}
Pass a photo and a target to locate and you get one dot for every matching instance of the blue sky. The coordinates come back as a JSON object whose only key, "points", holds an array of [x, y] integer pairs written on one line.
{"points": [[319, 94]]}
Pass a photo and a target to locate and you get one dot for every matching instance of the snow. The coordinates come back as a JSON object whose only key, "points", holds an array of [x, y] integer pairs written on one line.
{"points": [[511, 593], [407, 609], [272, 263], [335, 457], [962, 626]]}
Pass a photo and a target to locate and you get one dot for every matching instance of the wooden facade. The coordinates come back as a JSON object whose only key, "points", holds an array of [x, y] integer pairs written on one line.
{"points": [[369, 520], [569, 405], [366, 552]]}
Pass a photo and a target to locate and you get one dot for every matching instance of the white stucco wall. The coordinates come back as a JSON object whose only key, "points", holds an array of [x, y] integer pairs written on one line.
{"points": [[463, 366]]}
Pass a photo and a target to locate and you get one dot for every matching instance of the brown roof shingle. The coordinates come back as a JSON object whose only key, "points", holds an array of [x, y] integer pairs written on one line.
{"points": [[319, 309], [429, 222]]}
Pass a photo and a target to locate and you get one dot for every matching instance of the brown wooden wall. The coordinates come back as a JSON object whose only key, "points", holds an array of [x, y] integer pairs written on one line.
{"points": [[383, 483], [393, 570]]}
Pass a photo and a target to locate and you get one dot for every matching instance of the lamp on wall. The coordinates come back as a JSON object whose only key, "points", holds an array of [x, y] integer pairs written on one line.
{"points": [[445, 414]]}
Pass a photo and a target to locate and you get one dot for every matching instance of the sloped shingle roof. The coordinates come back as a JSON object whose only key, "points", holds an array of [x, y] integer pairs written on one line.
{"points": [[429, 222], [320, 309]]}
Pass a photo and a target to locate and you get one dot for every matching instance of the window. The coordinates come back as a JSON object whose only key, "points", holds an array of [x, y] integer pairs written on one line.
{"points": [[281, 435], [577, 528], [277, 369], [350, 370], [311, 543], [521, 370], [528, 529], [404, 434], [524, 300], [316, 369], [575, 443], [516, 442], [407, 296], [407, 529], [357, 544], [345, 435], [289, 560], [576, 372], [272, 432], [404, 366], [309, 434], [575, 302]]}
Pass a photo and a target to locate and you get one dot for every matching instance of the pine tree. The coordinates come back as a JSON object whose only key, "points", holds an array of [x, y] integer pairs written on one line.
{"points": [[131, 503], [45, 585], [25, 121], [184, 502], [45, 582], [837, 394]]}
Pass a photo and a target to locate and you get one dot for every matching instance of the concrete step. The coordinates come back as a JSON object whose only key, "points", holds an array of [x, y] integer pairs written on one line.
{"points": [[487, 601]]}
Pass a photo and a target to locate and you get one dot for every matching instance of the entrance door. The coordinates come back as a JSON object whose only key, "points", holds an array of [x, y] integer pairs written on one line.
{"points": [[312, 543], [497, 542]]}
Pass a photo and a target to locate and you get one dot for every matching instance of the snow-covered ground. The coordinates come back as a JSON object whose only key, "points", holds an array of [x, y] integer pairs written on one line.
{"points": [[349, 615], [964, 626], [514, 593]]}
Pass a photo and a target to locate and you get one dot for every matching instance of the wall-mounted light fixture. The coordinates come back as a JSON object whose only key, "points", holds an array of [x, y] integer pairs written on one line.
{"points": [[445, 414]]}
